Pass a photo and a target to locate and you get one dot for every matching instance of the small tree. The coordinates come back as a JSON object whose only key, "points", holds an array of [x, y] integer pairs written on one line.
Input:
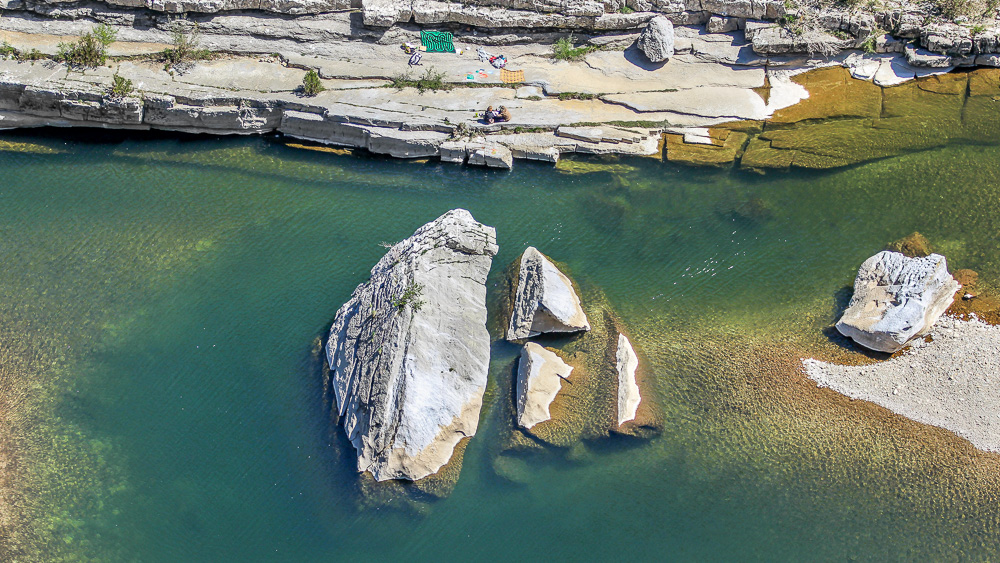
{"points": [[311, 84], [91, 49], [185, 48], [121, 87]]}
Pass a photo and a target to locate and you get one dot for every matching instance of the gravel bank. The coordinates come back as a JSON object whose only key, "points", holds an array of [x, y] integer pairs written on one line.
{"points": [[952, 382]]}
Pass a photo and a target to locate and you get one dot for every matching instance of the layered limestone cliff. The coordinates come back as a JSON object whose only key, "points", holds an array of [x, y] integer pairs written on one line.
{"points": [[409, 352]]}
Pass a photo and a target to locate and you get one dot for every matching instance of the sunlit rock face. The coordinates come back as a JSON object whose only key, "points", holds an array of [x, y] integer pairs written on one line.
{"points": [[409, 352], [897, 298], [545, 300]]}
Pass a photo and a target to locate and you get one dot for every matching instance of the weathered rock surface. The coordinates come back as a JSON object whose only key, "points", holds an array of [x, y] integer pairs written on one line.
{"points": [[897, 298], [657, 40], [545, 300], [409, 352], [626, 362], [539, 377]]}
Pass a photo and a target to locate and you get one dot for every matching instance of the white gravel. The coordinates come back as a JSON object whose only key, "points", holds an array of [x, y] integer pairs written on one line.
{"points": [[952, 382]]}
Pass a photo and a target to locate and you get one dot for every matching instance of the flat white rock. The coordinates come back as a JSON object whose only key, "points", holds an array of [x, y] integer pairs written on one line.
{"points": [[897, 298], [545, 300], [539, 377], [409, 352], [626, 362]]}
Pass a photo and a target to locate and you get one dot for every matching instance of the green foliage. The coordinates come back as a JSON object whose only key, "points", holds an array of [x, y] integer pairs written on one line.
{"points": [[410, 296], [185, 49], [32, 55], [311, 84], [88, 51], [6, 50], [564, 50], [977, 29], [430, 80], [576, 96], [105, 34], [868, 45], [121, 87], [625, 10], [974, 9]]}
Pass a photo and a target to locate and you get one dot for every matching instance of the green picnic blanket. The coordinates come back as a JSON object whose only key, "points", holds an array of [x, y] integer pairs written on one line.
{"points": [[437, 41]]}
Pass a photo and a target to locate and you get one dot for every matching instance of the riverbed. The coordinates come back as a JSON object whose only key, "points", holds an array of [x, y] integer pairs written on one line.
{"points": [[162, 300]]}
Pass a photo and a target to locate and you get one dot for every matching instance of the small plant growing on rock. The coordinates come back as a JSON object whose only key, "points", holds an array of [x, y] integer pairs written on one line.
{"points": [[410, 296], [6, 50], [563, 49], [185, 49], [91, 50], [311, 84], [121, 87]]}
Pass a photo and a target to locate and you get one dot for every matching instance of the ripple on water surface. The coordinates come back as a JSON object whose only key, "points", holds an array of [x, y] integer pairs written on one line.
{"points": [[164, 296]]}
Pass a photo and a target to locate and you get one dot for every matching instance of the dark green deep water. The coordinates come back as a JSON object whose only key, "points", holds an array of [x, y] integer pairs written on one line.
{"points": [[169, 294]]}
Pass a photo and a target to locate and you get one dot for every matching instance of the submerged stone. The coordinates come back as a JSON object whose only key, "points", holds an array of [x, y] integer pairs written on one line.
{"points": [[897, 298], [409, 352], [914, 245]]}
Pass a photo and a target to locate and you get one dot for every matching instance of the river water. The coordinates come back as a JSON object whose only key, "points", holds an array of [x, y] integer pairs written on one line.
{"points": [[161, 299]]}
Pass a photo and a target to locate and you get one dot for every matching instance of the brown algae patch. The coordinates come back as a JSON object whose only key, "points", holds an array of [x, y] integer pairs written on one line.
{"points": [[950, 380], [846, 121]]}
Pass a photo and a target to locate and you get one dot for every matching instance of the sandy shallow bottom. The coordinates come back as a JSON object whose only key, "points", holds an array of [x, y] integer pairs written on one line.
{"points": [[949, 380]]}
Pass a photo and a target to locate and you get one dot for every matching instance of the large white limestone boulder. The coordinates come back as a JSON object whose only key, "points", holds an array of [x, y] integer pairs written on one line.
{"points": [[897, 298], [657, 40], [539, 377], [544, 301], [409, 352], [626, 362]]}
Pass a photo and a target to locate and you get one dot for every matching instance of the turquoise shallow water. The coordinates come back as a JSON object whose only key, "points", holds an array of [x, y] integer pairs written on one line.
{"points": [[174, 290]]}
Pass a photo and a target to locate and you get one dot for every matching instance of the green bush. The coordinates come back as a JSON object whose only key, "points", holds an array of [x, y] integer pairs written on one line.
{"points": [[410, 296], [430, 80], [185, 48], [90, 50], [6, 50], [121, 87], [311, 84], [564, 50]]}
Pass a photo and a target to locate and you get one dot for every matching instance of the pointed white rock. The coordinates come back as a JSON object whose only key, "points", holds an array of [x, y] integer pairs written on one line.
{"points": [[545, 300], [409, 352], [539, 377], [626, 362]]}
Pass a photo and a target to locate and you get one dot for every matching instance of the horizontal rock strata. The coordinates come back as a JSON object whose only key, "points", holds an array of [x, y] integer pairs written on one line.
{"points": [[544, 301], [897, 298], [409, 352]]}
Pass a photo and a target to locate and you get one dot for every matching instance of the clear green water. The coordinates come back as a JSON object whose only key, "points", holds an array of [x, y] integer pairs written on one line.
{"points": [[164, 297]]}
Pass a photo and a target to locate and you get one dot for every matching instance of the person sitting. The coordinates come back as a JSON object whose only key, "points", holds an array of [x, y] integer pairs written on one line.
{"points": [[503, 114], [490, 116]]}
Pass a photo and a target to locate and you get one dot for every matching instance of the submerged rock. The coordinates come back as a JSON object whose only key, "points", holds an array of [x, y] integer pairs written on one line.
{"points": [[545, 300], [539, 377], [914, 245], [626, 363], [897, 298], [657, 39], [409, 352]]}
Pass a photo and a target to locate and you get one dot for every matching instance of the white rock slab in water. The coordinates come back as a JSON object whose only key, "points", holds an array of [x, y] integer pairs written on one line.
{"points": [[897, 298], [952, 382], [539, 377], [626, 362], [409, 352], [545, 300]]}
